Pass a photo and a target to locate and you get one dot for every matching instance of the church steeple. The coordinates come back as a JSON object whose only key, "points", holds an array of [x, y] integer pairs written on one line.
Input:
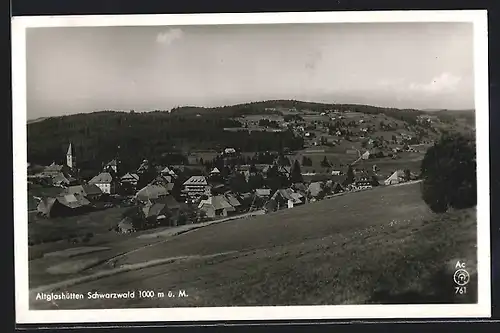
{"points": [[69, 157]]}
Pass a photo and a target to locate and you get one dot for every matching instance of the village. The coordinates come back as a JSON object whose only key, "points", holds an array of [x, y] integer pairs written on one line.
{"points": [[346, 146]]}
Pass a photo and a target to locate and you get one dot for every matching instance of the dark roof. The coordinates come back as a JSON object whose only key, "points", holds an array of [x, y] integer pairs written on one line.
{"points": [[73, 200], [154, 209], [232, 199], [91, 189], [299, 186], [217, 202], [151, 192], [338, 178], [103, 177], [170, 202]]}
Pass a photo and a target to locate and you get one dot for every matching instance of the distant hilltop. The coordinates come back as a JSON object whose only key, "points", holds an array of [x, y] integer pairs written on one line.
{"points": [[31, 121], [268, 105]]}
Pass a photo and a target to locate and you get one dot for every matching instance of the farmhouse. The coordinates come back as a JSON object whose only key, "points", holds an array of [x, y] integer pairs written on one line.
{"points": [[63, 205], [167, 171], [287, 197], [363, 181], [156, 211], [263, 192], [90, 191], [104, 181], [130, 178], [216, 206], [337, 188], [365, 155], [233, 201], [53, 169], [60, 179], [125, 226], [195, 187], [396, 178], [170, 202], [151, 192]]}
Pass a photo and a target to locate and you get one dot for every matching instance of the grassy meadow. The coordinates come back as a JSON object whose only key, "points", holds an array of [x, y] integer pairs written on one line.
{"points": [[377, 246]]}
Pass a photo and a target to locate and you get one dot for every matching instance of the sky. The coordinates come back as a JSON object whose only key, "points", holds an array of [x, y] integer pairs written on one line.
{"points": [[404, 65]]}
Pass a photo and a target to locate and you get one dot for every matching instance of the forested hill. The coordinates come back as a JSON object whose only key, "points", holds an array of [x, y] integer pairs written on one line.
{"points": [[156, 134]]}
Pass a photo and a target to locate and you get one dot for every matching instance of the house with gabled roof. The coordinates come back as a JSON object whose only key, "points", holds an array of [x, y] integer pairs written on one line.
{"points": [[216, 206], [168, 173], [263, 192], [288, 198], [111, 166], [130, 178], [195, 187], [104, 181], [233, 201], [89, 191], [60, 179], [63, 205], [215, 171], [151, 192], [395, 178]]}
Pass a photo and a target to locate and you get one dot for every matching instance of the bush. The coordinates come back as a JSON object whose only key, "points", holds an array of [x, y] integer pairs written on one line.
{"points": [[449, 174]]}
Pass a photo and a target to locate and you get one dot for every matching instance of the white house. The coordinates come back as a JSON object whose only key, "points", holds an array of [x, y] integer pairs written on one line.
{"points": [[395, 178], [104, 181], [366, 155]]}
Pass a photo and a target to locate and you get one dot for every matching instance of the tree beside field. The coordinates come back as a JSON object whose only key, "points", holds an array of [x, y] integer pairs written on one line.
{"points": [[449, 174]]}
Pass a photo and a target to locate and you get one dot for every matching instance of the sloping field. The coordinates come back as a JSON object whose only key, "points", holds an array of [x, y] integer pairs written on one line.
{"points": [[378, 246], [300, 224]]}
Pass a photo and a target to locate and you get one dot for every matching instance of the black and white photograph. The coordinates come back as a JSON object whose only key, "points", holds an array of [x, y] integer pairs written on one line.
{"points": [[251, 166]]}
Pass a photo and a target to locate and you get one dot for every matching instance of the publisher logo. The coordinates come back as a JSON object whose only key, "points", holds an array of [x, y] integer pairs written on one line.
{"points": [[461, 276]]}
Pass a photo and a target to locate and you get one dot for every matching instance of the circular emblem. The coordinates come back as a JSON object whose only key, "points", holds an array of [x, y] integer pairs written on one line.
{"points": [[461, 277]]}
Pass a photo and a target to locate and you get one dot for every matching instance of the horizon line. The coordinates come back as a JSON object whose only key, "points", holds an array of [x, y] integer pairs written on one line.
{"points": [[251, 102]]}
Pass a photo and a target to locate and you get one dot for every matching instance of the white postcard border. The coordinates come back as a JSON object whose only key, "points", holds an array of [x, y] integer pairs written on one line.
{"points": [[25, 316]]}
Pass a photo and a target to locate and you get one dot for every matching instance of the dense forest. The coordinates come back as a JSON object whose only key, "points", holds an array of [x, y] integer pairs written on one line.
{"points": [[162, 136], [158, 136]]}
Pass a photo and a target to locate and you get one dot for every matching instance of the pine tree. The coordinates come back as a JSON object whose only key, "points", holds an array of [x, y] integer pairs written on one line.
{"points": [[296, 173], [325, 162], [350, 176]]}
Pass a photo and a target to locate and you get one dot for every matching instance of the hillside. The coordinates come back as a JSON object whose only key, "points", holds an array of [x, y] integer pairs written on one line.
{"points": [[32, 121], [329, 252], [165, 137]]}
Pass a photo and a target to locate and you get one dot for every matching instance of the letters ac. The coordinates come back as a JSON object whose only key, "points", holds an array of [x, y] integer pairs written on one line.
{"points": [[460, 264]]}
